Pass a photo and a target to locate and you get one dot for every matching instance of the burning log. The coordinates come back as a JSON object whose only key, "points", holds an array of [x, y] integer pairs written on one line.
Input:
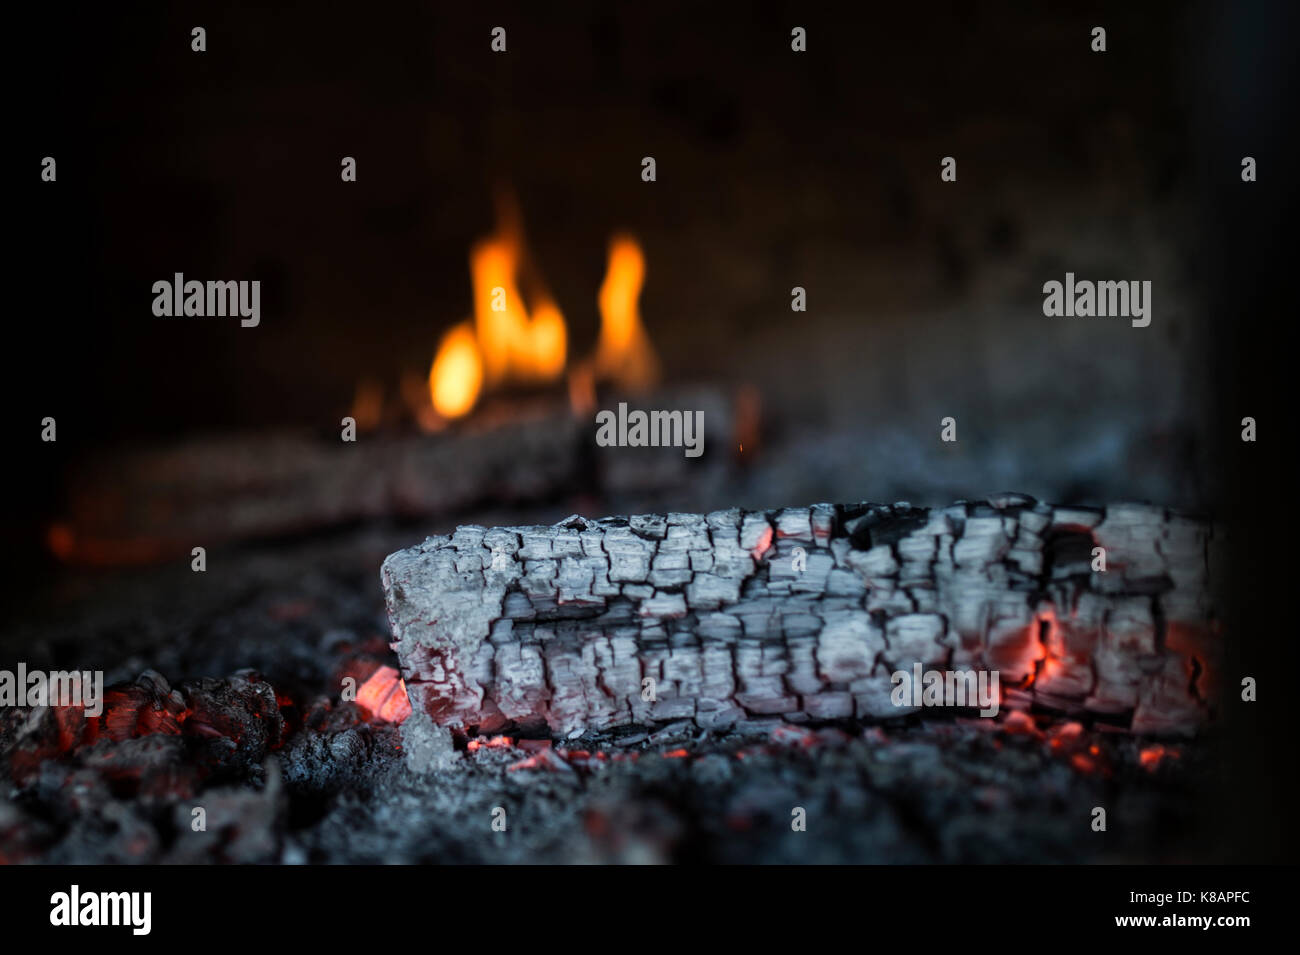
{"points": [[160, 502], [157, 503], [802, 614]]}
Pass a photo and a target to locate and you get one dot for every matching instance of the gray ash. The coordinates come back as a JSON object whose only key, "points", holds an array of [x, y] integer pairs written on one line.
{"points": [[286, 773]]}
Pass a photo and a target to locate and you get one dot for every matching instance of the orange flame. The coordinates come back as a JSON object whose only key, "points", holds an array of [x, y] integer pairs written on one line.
{"points": [[513, 338], [504, 342], [457, 372], [499, 315], [624, 353], [546, 352]]}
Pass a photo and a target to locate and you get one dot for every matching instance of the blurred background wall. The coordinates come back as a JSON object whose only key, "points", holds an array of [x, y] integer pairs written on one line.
{"points": [[775, 169]]}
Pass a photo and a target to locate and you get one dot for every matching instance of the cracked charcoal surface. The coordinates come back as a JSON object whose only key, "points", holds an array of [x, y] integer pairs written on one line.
{"points": [[555, 628]]}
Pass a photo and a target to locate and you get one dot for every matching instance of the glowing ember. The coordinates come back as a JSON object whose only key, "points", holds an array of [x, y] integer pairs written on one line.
{"points": [[69, 546], [1066, 735], [543, 759], [1021, 723], [1151, 757], [1056, 669], [1082, 763], [788, 735], [384, 696], [748, 415]]}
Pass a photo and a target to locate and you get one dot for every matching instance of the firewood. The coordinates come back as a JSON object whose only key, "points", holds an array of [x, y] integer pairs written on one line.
{"points": [[559, 628], [158, 502]]}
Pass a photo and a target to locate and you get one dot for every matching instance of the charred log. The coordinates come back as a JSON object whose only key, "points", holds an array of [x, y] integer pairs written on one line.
{"points": [[802, 615], [158, 502]]}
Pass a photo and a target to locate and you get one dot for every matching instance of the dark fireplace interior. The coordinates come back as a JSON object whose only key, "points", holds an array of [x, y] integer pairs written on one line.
{"points": [[774, 170]]}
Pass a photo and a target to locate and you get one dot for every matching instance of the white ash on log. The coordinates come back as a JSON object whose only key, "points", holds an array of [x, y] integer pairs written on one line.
{"points": [[556, 627]]}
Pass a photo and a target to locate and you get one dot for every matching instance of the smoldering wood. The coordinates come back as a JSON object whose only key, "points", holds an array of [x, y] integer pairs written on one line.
{"points": [[556, 628], [964, 790], [159, 501]]}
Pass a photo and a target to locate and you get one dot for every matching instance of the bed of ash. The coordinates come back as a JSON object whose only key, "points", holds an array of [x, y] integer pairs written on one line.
{"points": [[226, 700]]}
